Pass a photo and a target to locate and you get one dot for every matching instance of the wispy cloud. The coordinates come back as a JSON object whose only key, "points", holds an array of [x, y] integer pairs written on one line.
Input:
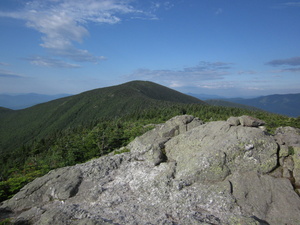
{"points": [[216, 85], [4, 64], [63, 22], [292, 70], [9, 74], [188, 76], [219, 11], [250, 72], [161, 4], [49, 62], [293, 4], [294, 61], [297, 69]]}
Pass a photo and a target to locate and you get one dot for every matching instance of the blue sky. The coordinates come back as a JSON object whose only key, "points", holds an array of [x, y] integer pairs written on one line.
{"points": [[229, 48]]}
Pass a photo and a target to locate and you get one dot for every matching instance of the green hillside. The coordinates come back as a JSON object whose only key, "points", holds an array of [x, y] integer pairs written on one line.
{"points": [[22, 126], [4, 110]]}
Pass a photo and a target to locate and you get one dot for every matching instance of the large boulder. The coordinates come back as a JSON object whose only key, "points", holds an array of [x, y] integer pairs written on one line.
{"points": [[215, 150], [181, 172]]}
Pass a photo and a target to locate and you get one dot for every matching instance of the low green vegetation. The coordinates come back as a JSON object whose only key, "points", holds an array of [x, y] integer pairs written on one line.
{"points": [[120, 151], [291, 150], [5, 222]]}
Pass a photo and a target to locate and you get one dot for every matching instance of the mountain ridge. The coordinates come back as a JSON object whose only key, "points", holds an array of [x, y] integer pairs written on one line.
{"points": [[286, 104]]}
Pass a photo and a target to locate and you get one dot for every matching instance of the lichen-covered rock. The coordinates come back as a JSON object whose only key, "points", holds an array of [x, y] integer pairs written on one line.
{"points": [[163, 132], [234, 121], [249, 121], [181, 172], [246, 121], [288, 139], [288, 136], [214, 150], [267, 198]]}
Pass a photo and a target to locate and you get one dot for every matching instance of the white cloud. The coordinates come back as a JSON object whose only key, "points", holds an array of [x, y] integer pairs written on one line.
{"points": [[4, 64], [9, 74], [62, 22], [293, 4], [204, 71], [217, 85], [188, 76], [49, 62]]}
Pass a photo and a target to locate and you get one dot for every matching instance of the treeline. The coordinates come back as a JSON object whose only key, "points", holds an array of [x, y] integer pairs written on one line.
{"points": [[93, 139]]}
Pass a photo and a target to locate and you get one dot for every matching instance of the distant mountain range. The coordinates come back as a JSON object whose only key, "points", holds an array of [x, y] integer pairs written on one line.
{"points": [[286, 104], [22, 101]]}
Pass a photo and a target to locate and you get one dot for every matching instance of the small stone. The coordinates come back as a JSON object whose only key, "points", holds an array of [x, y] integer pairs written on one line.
{"points": [[249, 147]]}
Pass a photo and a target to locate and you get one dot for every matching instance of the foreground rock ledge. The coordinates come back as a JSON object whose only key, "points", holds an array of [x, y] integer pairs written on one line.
{"points": [[181, 172]]}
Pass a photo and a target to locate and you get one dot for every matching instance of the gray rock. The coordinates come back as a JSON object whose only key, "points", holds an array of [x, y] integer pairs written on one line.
{"points": [[296, 169], [181, 172], [249, 121], [288, 136], [60, 184], [288, 139], [234, 121], [266, 198], [214, 150]]}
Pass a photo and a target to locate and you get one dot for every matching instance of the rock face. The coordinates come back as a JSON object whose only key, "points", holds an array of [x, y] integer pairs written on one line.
{"points": [[181, 172]]}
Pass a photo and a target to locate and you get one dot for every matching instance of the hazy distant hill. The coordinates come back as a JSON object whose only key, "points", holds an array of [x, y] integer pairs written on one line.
{"points": [[288, 104], [22, 101], [205, 96], [21, 126], [219, 102]]}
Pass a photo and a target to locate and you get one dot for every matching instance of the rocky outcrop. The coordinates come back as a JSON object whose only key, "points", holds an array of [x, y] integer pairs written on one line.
{"points": [[181, 172], [289, 156]]}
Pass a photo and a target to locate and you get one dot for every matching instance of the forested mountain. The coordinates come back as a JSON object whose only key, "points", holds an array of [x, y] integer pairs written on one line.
{"points": [[36, 122], [74, 129], [22, 101]]}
